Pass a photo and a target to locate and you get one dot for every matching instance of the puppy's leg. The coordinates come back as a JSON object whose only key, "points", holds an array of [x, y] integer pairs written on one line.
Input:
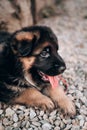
{"points": [[33, 97], [60, 99]]}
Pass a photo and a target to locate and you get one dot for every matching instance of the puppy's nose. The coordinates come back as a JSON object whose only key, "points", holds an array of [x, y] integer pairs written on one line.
{"points": [[62, 68]]}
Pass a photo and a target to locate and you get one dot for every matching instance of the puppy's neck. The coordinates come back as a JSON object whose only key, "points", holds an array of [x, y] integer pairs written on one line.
{"points": [[29, 79]]}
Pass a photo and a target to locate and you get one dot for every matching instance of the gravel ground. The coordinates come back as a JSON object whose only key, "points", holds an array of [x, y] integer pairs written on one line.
{"points": [[71, 29]]}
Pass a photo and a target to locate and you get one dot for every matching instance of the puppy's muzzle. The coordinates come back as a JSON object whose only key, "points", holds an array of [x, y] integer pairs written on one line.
{"points": [[60, 68]]}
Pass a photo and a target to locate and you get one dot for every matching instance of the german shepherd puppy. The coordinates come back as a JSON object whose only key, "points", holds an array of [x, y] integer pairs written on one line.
{"points": [[29, 65]]}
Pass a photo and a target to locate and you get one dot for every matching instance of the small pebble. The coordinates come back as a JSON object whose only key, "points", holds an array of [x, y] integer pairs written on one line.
{"points": [[9, 112], [15, 117], [57, 128], [6, 121], [27, 124], [8, 128], [86, 103], [57, 122], [1, 111], [78, 105], [85, 94], [32, 114], [53, 113], [41, 113], [82, 122], [68, 127], [46, 126], [36, 124], [30, 128]]}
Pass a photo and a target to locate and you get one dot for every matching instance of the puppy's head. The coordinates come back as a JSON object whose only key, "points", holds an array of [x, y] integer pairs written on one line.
{"points": [[37, 49]]}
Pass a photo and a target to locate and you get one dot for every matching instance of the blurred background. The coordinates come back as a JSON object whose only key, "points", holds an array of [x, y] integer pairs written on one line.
{"points": [[15, 14]]}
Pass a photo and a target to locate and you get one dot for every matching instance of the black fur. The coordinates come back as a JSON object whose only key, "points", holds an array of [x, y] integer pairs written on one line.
{"points": [[12, 80]]}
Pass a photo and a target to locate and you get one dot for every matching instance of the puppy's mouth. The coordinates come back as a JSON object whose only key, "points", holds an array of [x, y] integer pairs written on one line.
{"points": [[53, 80], [41, 78]]}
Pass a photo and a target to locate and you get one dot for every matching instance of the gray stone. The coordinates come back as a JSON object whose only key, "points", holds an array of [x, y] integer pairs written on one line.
{"points": [[83, 99], [35, 119], [17, 124], [5, 121], [68, 127], [36, 128], [75, 128], [27, 124], [16, 129], [45, 116], [65, 121], [85, 126], [46, 126], [20, 112], [43, 121], [85, 94], [80, 117], [36, 123], [69, 121], [62, 125], [23, 124], [78, 104], [32, 114], [57, 128], [15, 117], [41, 113], [81, 122], [57, 122], [79, 94], [83, 111], [24, 129], [86, 103], [8, 128], [9, 112], [21, 116], [30, 128], [1, 111], [53, 113], [39, 128], [22, 108]]}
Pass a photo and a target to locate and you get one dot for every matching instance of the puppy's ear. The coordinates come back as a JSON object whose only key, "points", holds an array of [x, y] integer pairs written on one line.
{"points": [[23, 42]]}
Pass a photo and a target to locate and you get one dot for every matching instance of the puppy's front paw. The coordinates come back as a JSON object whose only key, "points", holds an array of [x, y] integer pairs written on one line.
{"points": [[68, 106], [60, 99], [47, 104]]}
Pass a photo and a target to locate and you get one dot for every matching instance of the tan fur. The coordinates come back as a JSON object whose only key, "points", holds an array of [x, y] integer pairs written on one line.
{"points": [[24, 35], [60, 99], [33, 97], [27, 35], [28, 78], [27, 62]]}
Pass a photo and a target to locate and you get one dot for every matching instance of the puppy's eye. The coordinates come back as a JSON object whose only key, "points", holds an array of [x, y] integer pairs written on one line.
{"points": [[45, 53]]}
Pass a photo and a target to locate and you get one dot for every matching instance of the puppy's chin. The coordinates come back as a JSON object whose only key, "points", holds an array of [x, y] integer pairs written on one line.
{"points": [[36, 79]]}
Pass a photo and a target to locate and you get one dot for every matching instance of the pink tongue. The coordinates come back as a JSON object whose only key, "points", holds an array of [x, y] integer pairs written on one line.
{"points": [[53, 81]]}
